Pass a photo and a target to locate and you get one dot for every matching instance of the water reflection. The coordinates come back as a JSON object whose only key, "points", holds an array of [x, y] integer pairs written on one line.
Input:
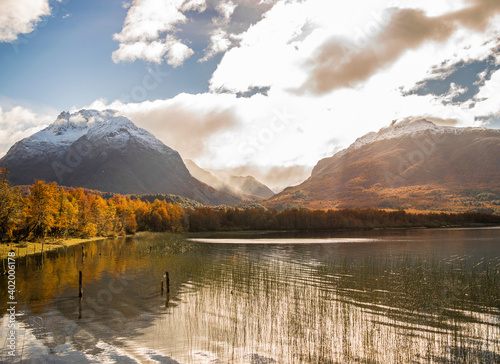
{"points": [[374, 297]]}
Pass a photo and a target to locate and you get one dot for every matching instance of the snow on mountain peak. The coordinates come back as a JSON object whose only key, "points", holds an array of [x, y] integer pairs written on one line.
{"points": [[99, 127], [408, 126], [81, 119]]}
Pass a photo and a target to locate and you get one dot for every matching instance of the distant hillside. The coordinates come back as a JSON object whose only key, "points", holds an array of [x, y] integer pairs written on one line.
{"points": [[414, 164], [245, 188]]}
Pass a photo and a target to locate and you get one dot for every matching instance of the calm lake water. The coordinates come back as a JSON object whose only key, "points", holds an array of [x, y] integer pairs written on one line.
{"points": [[412, 296]]}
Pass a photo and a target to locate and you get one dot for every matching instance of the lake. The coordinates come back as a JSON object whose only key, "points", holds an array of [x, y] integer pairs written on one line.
{"points": [[402, 296]]}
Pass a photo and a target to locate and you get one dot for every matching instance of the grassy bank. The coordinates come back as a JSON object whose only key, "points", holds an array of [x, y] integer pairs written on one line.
{"points": [[30, 248]]}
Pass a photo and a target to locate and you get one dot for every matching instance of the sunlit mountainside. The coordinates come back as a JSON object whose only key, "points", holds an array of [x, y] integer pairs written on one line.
{"points": [[414, 165]]}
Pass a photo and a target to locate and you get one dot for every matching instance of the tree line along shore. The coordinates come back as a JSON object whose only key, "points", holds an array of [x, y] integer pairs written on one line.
{"points": [[51, 213]]}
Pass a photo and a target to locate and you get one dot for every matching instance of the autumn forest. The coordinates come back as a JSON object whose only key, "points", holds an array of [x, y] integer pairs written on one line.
{"points": [[47, 210]]}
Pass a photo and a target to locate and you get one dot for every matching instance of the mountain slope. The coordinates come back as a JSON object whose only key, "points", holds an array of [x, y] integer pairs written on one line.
{"points": [[414, 164], [103, 151], [246, 188], [247, 185]]}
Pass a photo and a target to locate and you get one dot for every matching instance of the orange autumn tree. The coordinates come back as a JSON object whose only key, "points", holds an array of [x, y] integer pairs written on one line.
{"points": [[41, 208], [11, 206], [67, 214]]}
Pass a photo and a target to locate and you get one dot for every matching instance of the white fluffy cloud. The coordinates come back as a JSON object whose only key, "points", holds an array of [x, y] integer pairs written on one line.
{"points": [[148, 31], [156, 51], [177, 52], [18, 123], [151, 51], [20, 17]]}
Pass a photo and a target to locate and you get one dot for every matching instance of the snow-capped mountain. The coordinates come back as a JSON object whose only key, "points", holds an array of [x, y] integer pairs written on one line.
{"points": [[408, 128], [413, 164], [104, 151], [101, 127]]}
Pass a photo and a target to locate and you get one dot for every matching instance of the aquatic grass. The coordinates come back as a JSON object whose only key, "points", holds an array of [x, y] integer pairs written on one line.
{"points": [[281, 303]]}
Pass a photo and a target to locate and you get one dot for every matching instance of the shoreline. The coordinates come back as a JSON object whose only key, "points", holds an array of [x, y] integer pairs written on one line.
{"points": [[33, 248]]}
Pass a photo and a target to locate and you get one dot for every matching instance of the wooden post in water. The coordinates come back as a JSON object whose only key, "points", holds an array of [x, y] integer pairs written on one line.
{"points": [[167, 282], [80, 285], [42, 249]]}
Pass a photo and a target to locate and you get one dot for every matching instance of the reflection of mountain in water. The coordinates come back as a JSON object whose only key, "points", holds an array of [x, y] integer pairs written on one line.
{"points": [[421, 295]]}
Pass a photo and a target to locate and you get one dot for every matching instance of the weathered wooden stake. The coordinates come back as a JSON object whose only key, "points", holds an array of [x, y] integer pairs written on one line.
{"points": [[162, 288], [42, 249], [167, 282], [80, 285]]}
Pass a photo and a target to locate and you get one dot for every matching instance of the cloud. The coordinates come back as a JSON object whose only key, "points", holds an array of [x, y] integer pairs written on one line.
{"points": [[219, 39], [339, 63], [149, 28], [150, 51], [177, 52], [231, 19], [458, 82], [226, 9], [440, 121], [185, 123], [18, 123], [219, 43], [195, 5], [147, 19], [20, 17]]}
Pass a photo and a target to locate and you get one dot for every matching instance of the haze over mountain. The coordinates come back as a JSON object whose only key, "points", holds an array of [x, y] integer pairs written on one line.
{"points": [[106, 152], [412, 164], [243, 187]]}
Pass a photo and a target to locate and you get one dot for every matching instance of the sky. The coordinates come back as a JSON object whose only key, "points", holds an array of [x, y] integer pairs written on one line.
{"points": [[261, 87]]}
